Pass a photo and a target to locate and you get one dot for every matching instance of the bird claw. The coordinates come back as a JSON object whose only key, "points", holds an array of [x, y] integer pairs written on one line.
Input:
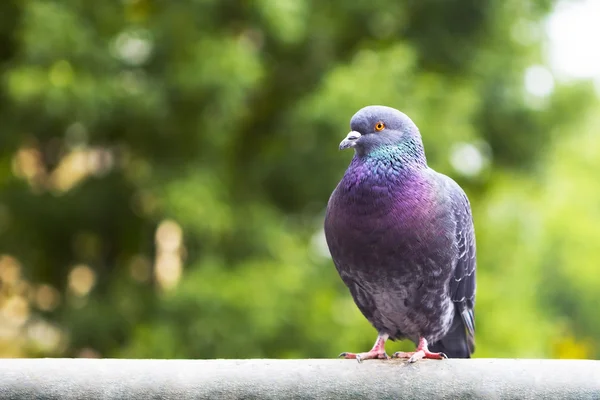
{"points": [[415, 356], [422, 351], [360, 357], [378, 351]]}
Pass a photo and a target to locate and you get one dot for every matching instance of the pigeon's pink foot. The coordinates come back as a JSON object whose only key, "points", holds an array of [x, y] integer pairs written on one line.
{"points": [[421, 352], [369, 355], [377, 352]]}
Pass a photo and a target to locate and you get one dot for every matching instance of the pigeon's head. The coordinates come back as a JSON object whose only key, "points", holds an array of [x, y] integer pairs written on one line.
{"points": [[374, 127]]}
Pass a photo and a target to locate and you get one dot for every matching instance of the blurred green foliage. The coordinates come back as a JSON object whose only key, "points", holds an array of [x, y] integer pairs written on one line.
{"points": [[164, 169]]}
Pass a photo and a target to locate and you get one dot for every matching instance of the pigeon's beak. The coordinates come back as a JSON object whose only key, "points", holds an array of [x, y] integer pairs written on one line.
{"points": [[349, 140]]}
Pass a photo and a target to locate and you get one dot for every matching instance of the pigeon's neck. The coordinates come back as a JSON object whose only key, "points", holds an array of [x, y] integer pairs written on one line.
{"points": [[392, 162], [383, 172], [408, 154]]}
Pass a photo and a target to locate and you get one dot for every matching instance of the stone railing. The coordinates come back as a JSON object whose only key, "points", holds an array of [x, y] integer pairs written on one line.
{"points": [[298, 379]]}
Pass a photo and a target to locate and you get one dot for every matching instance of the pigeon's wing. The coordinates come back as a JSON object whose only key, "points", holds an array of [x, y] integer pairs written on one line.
{"points": [[460, 340], [462, 285]]}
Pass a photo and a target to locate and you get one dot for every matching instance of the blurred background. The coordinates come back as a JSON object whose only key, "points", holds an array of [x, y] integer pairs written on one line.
{"points": [[165, 167]]}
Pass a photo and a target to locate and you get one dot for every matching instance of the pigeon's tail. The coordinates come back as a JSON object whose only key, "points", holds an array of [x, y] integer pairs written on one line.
{"points": [[457, 343]]}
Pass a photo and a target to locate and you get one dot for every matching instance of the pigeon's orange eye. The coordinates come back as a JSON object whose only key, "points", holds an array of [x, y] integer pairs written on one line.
{"points": [[379, 126]]}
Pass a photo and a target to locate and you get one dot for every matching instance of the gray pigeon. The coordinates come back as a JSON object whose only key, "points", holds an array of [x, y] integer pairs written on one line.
{"points": [[402, 239]]}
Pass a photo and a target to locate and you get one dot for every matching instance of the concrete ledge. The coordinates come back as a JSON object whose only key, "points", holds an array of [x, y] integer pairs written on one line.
{"points": [[298, 379]]}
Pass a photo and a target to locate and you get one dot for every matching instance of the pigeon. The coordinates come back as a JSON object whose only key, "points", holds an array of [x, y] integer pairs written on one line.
{"points": [[402, 239]]}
